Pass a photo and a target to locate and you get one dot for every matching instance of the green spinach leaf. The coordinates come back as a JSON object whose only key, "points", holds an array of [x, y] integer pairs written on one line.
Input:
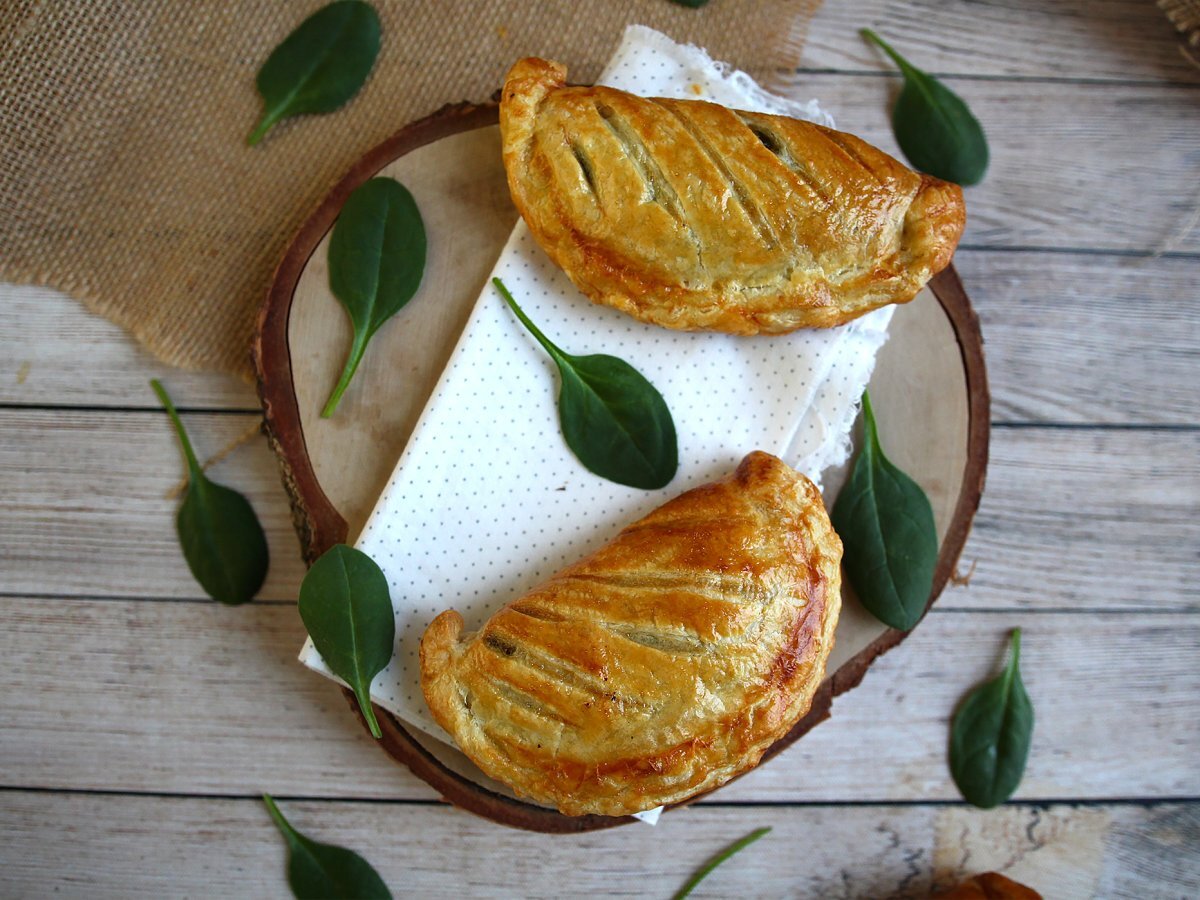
{"points": [[613, 419], [933, 126], [376, 261], [320, 871], [346, 607], [886, 525], [990, 736], [707, 868], [694, 4], [320, 65], [221, 537]]}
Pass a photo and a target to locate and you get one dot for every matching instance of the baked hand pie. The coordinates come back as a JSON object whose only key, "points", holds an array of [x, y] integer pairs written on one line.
{"points": [[660, 666], [693, 216]]}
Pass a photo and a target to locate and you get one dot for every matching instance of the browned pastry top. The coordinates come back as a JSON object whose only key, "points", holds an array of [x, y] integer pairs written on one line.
{"points": [[660, 666], [697, 217]]}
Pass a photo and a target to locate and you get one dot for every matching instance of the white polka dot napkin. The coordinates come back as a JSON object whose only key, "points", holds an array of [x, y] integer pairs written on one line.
{"points": [[487, 500]]}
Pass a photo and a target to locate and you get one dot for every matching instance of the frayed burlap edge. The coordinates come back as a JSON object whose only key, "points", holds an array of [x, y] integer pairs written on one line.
{"points": [[125, 180]]}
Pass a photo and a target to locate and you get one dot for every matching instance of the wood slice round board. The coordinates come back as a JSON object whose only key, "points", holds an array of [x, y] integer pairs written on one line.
{"points": [[929, 391]]}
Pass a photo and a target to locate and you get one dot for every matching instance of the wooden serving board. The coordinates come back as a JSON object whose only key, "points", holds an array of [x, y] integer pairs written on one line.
{"points": [[929, 391]]}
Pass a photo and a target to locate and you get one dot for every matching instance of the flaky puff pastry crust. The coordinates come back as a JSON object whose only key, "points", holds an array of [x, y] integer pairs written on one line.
{"points": [[697, 217], [660, 666]]}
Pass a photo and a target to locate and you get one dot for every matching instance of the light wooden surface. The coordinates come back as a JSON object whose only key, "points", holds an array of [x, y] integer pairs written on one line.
{"points": [[138, 722], [920, 389]]}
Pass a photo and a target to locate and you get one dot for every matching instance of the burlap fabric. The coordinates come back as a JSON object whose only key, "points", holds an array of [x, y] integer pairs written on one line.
{"points": [[125, 178]]}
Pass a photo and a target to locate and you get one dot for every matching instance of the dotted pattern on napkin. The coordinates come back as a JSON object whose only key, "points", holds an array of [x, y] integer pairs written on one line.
{"points": [[487, 500]]}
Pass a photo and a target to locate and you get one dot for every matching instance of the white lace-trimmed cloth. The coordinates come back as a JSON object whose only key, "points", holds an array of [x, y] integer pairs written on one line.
{"points": [[487, 500]]}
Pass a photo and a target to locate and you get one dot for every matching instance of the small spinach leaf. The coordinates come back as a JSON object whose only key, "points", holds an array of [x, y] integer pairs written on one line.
{"points": [[933, 126], [376, 261], [319, 871], [221, 537], [707, 868], [347, 609], [612, 418], [990, 736], [320, 65], [694, 4], [886, 525]]}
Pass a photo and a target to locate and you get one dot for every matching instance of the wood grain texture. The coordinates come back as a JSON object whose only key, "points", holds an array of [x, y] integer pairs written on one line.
{"points": [[1070, 337], [1092, 167], [317, 520], [333, 470], [129, 847], [56, 353], [175, 675], [1087, 339], [459, 184], [84, 505], [1099, 166], [1073, 516], [1112, 40]]}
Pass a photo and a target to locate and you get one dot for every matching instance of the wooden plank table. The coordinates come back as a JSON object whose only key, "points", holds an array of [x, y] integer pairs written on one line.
{"points": [[140, 721]]}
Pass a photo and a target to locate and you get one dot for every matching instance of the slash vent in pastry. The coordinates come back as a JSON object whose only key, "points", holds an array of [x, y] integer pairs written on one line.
{"points": [[660, 666], [693, 216]]}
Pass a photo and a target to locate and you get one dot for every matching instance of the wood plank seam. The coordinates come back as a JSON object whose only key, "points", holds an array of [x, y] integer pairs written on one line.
{"points": [[701, 804]]}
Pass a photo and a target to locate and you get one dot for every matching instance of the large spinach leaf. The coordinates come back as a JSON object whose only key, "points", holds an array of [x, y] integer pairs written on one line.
{"points": [[347, 608], [991, 734], [376, 261], [613, 419], [320, 65], [886, 525], [222, 540], [933, 126], [319, 871]]}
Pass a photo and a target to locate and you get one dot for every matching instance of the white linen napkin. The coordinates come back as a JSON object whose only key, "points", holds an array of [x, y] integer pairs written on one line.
{"points": [[487, 500]]}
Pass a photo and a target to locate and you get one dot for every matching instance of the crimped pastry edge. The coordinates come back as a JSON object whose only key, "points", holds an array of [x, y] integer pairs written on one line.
{"points": [[444, 644], [933, 224]]}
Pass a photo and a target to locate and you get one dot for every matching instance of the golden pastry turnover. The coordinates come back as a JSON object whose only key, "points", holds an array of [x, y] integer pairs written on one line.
{"points": [[693, 216], [662, 665]]}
